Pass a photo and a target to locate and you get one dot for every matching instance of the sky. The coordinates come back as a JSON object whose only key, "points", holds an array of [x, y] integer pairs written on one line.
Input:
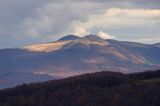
{"points": [[25, 22]]}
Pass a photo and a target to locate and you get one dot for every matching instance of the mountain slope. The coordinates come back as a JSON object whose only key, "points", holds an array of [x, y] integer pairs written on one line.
{"points": [[69, 57], [157, 44], [49, 47]]}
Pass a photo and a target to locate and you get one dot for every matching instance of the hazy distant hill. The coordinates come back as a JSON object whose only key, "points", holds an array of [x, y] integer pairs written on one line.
{"points": [[72, 55]]}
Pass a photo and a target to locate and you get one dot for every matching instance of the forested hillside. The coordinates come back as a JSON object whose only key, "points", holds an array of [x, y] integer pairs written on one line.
{"points": [[96, 89]]}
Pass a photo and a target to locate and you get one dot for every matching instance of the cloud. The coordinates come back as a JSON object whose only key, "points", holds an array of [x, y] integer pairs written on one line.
{"points": [[105, 35], [80, 31], [122, 23], [34, 21], [116, 17], [147, 40], [54, 20]]}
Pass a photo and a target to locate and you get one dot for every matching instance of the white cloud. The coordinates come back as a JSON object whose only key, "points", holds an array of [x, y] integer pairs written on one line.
{"points": [[105, 35], [116, 17], [80, 31]]}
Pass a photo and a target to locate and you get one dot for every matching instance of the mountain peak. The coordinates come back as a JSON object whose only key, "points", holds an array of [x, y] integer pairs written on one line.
{"points": [[92, 38], [69, 37]]}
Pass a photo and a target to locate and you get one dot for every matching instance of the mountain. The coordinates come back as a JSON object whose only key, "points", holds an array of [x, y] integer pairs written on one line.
{"points": [[73, 55], [157, 44], [94, 89], [69, 37]]}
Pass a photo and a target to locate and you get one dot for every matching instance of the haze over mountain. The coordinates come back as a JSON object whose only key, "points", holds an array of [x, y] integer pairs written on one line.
{"points": [[72, 55]]}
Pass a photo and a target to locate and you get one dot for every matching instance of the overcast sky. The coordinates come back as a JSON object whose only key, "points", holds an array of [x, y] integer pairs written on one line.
{"points": [[24, 22]]}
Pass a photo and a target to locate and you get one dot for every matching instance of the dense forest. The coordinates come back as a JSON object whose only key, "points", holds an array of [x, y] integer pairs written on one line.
{"points": [[94, 89]]}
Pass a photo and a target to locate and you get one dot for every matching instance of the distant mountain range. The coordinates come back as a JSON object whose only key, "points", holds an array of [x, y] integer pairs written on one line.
{"points": [[72, 55], [157, 44]]}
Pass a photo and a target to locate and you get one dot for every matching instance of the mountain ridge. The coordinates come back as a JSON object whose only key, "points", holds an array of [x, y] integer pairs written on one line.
{"points": [[157, 44], [68, 37], [64, 58]]}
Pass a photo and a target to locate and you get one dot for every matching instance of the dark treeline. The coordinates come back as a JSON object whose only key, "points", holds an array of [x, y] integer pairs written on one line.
{"points": [[96, 89], [146, 75]]}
